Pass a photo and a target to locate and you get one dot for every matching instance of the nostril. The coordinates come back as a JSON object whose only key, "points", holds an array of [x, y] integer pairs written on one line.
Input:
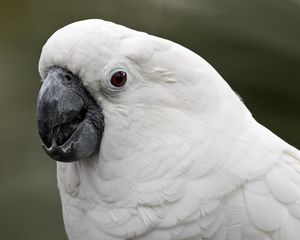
{"points": [[68, 77]]}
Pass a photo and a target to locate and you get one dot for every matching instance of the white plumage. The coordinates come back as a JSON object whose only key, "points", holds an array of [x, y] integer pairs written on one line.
{"points": [[181, 156]]}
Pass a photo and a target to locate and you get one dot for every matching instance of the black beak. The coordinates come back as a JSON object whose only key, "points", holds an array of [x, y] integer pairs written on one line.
{"points": [[70, 122]]}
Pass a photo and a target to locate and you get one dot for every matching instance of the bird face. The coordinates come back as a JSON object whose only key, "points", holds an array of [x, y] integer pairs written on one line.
{"points": [[89, 79], [145, 89]]}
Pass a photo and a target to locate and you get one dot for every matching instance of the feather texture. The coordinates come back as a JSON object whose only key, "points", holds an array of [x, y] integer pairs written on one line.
{"points": [[181, 156]]}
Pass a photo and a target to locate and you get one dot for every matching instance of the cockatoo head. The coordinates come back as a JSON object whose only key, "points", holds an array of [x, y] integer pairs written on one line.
{"points": [[109, 88]]}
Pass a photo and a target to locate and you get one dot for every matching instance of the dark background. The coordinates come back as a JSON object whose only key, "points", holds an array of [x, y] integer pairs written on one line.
{"points": [[254, 45]]}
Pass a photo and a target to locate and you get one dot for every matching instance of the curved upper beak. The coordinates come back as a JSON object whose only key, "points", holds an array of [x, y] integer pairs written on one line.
{"points": [[57, 105], [64, 108]]}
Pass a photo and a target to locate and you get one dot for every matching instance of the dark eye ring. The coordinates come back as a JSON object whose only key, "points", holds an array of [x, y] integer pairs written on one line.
{"points": [[118, 79]]}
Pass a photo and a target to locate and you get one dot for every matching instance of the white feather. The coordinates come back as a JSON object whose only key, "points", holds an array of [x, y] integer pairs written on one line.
{"points": [[181, 156]]}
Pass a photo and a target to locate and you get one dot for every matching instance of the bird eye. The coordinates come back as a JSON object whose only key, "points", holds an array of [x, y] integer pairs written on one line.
{"points": [[118, 79]]}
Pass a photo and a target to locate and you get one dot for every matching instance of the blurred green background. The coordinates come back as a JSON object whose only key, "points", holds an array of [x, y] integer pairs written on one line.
{"points": [[255, 46]]}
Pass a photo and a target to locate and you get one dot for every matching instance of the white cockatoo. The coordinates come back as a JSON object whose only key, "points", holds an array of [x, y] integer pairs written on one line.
{"points": [[152, 144]]}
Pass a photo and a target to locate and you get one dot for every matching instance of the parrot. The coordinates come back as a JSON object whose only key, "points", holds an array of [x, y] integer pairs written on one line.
{"points": [[152, 143]]}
